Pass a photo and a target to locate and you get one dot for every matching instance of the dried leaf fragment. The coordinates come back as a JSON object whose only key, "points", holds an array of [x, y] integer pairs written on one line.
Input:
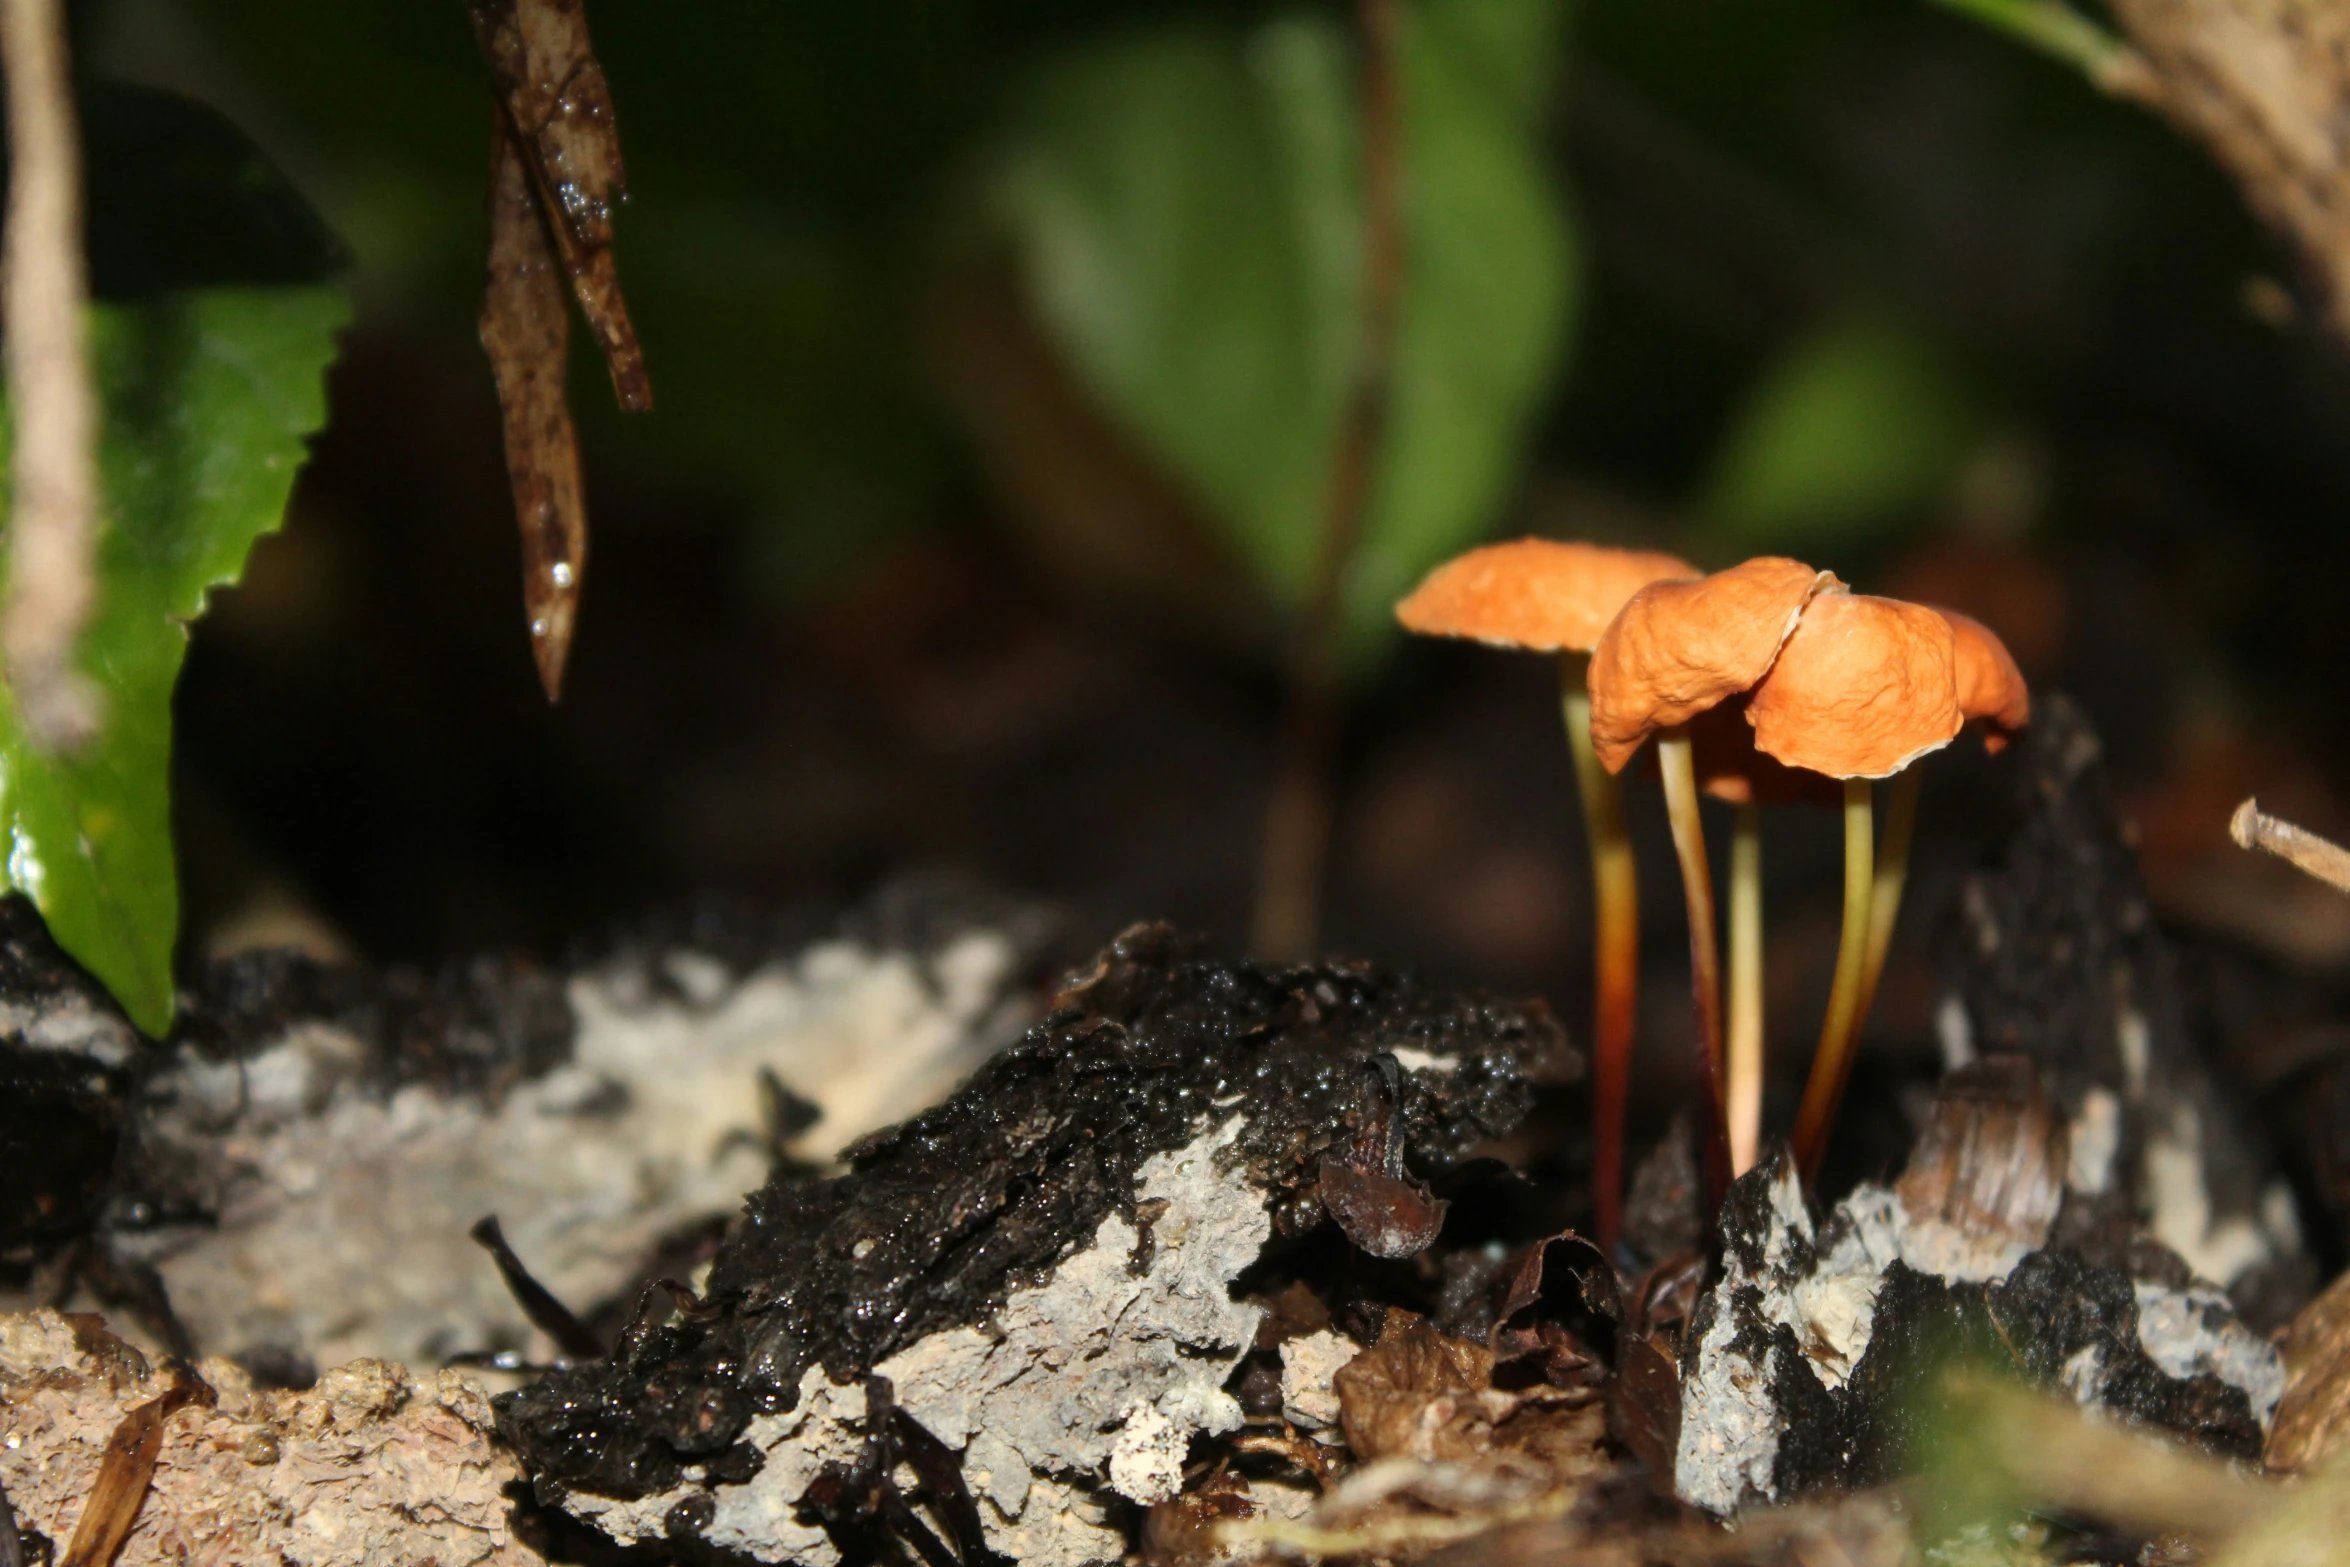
{"points": [[1364, 1186], [1563, 1313], [125, 1474], [526, 333], [1422, 1394], [559, 107], [556, 174]]}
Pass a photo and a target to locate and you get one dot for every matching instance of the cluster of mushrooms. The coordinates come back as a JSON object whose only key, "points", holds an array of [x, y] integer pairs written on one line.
{"points": [[1767, 683]]}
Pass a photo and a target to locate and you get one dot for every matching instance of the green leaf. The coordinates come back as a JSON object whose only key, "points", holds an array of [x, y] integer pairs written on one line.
{"points": [[208, 395], [1859, 426], [1185, 204]]}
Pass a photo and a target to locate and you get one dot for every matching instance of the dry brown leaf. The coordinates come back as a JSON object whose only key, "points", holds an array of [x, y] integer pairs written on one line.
{"points": [[125, 1474], [556, 100], [1422, 1394], [556, 172], [526, 332]]}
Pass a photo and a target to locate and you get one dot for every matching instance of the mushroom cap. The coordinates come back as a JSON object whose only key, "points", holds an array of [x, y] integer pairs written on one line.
{"points": [[1730, 768], [1990, 686], [1681, 647], [1863, 688], [1540, 595]]}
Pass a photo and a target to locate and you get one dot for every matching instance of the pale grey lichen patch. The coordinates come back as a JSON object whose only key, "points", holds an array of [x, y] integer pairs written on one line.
{"points": [[2222, 1248], [70, 1020], [1096, 1379], [2095, 1141], [1820, 1283], [1825, 1288], [342, 1208], [2195, 1332], [1729, 1442]]}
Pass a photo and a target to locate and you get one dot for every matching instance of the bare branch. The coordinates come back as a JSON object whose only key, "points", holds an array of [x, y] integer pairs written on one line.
{"points": [[2254, 828]]}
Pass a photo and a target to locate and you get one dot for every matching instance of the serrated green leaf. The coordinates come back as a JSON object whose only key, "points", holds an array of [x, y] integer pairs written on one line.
{"points": [[1859, 425], [1186, 206], [208, 396]]}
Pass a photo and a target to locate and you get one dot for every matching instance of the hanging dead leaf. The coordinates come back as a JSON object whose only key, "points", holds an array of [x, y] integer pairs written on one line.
{"points": [[526, 332], [559, 106], [556, 173]]}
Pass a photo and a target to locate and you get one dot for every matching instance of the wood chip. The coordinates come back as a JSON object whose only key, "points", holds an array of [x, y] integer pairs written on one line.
{"points": [[2312, 1423]]}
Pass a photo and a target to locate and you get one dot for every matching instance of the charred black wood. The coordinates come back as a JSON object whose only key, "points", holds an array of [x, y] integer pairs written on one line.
{"points": [[941, 1219]]}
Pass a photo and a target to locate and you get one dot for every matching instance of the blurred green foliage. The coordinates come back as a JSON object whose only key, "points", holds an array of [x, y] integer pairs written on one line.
{"points": [[209, 340], [783, 165], [1857, 428], [1186, 204], [1183, 193], [208, 395]]}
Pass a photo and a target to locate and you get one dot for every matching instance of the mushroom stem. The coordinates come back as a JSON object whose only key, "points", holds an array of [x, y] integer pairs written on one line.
{"points": [[1831, 1063], [1745, 1094], [1615, 950], [1901, 821], [1705, 965]]}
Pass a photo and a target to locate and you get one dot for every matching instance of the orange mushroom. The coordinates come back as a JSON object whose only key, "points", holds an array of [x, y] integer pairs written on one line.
{"points": [[1864, 687], [1730, 769], [1994, 699], [1680, 650], [1991, 689], [1551, 597]]}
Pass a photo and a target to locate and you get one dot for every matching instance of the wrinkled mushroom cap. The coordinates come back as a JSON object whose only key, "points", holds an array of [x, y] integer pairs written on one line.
{"points": [[1681, 647], [1863, 688], [1730, 769], [1537, 594], [1990, 687]]}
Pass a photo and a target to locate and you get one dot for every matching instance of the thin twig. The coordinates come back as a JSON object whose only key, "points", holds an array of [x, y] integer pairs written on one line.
{"points": [[2254, 828], [1288, 917], [55, 501], [2057, 30]]}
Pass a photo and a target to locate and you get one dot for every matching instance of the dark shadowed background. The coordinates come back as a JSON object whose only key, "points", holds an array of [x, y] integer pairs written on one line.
{"points": [[883, 584]]}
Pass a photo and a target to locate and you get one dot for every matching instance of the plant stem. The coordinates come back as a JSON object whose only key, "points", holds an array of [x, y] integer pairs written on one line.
{"points": [[1287, 921], [2057, 30], [1745, 1096], [1705, 964], [1615, 951], [53, 529], [1901, 821], [1831, 1063]]}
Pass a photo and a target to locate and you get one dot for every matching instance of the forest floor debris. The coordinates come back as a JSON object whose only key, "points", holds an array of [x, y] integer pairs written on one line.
{"points": [[374, 1463]]}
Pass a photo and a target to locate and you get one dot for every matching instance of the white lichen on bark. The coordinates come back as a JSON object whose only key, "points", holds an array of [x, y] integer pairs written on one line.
{"points": [[343, 1210], [1730, 1426], [1088, 1384]]}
